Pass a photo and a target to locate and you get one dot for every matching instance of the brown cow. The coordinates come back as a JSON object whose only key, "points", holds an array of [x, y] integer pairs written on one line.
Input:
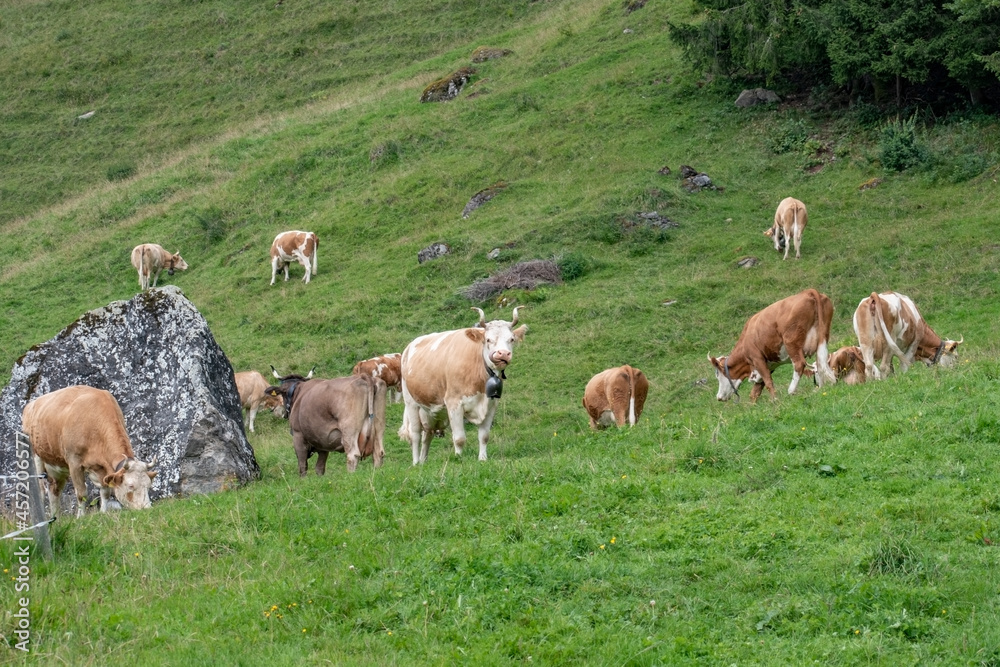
{"points": [[252, 388], [387, 368], [457, 372], [81, 429], [614, 395], [848, 365], [294, 246], [888, 325], [786, 331], [150, 259], [789, 221], [339, 415]]}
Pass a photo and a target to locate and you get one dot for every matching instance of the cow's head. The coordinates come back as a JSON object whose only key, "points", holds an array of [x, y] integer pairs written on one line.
{"points": [[727, 384], [275, 404], [775, 233], [177, 263], [498, 338], [949, 353], [131, 481], [284, 393]]}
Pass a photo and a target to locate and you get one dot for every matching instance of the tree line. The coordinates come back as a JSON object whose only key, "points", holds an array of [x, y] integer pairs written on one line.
{"points": [[884, 48]]}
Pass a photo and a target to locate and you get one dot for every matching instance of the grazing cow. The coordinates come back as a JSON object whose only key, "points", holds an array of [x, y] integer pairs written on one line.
{"points": [[291, 247], [459, 373], [385, 367], [339, 415], [848, 365], [150, 259], [786, 331], [614, 395], [81, 429], [888, 325], [252, 388], [789, 221]]}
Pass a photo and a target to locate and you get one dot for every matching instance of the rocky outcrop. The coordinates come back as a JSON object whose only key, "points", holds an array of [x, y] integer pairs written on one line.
{"points": [[448, 87], [749, 98], [433, 251], [175, 386], [482, 197]]}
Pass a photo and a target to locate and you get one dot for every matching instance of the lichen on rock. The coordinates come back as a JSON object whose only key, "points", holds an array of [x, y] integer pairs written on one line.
{"points": [[448, 88]]}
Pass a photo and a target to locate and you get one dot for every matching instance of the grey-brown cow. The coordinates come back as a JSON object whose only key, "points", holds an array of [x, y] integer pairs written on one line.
{"points": [[339, 415]]}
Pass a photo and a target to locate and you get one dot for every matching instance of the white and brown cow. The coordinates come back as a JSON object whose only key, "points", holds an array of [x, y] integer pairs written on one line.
{"points": [[848, 365], [294, 246], [614, 396], [80, 430], [456, 373], [252, 388], [789, 221], [386, 367], [339, 415], [150, 259], [787, 331], [888, 325]]}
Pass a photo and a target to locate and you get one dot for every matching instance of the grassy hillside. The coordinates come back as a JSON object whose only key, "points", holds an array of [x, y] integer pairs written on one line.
{"points": [[849, 525]]}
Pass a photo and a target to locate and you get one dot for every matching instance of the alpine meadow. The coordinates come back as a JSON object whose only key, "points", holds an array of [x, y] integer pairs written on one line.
{"points": [[839, 525]]}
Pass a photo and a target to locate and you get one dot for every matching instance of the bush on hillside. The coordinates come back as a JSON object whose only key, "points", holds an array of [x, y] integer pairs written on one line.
{"points": [[898, 148]]}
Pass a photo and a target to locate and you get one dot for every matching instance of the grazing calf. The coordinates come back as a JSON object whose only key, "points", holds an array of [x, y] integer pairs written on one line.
{"points": [[888, 325], [252, 388], [848, 365], [789, 221], [150, 259], [787, 331], [457, 372], [294, 246], [386, 367], [614, 396], [339, 415], [80, 430]]}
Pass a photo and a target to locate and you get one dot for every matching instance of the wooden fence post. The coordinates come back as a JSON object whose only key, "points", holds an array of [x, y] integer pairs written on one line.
{"points": [[36, 502]]}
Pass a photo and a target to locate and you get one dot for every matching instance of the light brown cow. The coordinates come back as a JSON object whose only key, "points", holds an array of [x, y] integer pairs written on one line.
{"points": [[252, 388], [150, 259], [785, 332], [339, 415], [294, 246], [614, 396], [81, 429], [789, 221], [848, 365], [457, 372], [386, 367], [888, 325]]}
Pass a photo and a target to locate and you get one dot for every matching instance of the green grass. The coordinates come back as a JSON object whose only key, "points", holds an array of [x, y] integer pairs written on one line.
{"points": [[849, 525]]}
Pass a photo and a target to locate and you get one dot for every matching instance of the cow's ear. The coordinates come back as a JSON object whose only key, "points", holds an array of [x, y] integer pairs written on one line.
{"points": [[114, 479], [769, 232], [951, 345], [476, 335], [715, 362], [152, 474], [519, 332], [271, 391]]}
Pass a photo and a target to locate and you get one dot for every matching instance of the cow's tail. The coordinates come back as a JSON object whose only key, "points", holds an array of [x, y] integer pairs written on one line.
{"points": [[823, 322], [142, 267], [885, 330], [315, 252], [368, 430], [631, 397]]}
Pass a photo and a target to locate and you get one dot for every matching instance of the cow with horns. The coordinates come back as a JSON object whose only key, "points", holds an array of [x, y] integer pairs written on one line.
{"points": [[340, 415], [458, 374]]}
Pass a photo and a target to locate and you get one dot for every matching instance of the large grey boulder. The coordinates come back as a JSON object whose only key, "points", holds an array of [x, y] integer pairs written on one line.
{"points": [[749, 98], [156, 356]]}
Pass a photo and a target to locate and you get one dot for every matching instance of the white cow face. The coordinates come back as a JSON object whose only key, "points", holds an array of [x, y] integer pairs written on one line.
{"points": [[131, 484], [499, 337], [727, 387]]}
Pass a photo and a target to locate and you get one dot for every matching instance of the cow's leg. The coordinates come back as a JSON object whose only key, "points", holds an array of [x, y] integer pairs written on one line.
{"points": [[825, 373], [765, 376], [349, 438], [887, 361], [304, 261], [79, 487], [52, 485], [285, 267], [484, 428], [456, 417], [105, 497], [274, 269], [788, 246], [156, 277], [868, 357], [755, 391], [797, 233], [253, 415], [301, 453], [321, 462]]}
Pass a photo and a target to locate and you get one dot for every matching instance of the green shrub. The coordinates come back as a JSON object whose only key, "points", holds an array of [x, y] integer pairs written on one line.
{"points": [[787, 137], [212, 221], [574, 265], [898, 148]]}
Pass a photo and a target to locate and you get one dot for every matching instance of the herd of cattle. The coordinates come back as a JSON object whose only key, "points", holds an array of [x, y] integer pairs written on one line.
{"points": [[453, 377]]}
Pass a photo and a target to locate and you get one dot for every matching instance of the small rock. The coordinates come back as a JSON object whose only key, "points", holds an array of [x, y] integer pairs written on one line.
{"points": [[870, 183], [493, 254], [665, 171], [687, 172], [701, 180], [85, 116], [749, 98], [669, 302], [433, 251], [627, 31], [748, 262]]}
